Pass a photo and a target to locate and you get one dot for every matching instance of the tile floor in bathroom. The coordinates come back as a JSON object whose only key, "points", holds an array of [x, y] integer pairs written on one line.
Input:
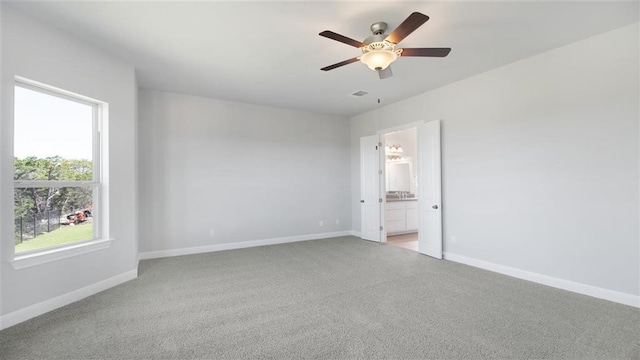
{"points": [[407, 241]]}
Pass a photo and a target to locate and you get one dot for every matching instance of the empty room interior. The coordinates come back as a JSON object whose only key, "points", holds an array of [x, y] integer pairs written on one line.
{"points": [[339, 180]]}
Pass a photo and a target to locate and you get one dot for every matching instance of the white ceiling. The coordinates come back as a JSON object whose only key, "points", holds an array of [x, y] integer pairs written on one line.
{"points": [[270, 52]]}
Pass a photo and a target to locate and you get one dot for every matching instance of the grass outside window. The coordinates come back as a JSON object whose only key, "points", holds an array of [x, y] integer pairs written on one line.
{"points": [[64, 235]]}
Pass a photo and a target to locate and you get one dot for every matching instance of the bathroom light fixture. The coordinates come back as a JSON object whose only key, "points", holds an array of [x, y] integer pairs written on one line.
{"points": [[393, 148]]}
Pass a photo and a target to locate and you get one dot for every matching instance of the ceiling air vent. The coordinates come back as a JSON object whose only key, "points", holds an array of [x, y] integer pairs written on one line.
{"points": [[359, 93]]}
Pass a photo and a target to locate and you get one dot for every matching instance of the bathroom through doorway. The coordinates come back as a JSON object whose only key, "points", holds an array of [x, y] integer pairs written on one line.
{"points": [[401, 212]]}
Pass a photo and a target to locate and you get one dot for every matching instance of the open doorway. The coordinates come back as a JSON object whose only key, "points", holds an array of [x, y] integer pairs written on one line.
{"points": [[373, 194], [401, 164]]}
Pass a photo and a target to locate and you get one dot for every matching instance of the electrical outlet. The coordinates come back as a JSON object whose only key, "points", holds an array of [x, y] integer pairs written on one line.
{"points": [[453, 239], [212, 233], [321, 223], [337, 221]]}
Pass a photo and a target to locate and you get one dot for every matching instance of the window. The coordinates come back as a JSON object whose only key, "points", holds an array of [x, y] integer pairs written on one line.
{"points": [[56, 167]]}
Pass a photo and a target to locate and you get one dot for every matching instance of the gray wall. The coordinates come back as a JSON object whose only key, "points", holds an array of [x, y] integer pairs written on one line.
{"points": [[540, 161], [248, 172], [41, 53]]}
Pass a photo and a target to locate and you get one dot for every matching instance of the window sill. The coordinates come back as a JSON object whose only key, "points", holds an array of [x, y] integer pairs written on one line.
{"points": [[46, 256]]}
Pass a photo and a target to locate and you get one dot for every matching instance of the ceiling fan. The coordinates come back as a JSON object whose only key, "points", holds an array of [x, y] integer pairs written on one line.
{"points": [[380, 50]]}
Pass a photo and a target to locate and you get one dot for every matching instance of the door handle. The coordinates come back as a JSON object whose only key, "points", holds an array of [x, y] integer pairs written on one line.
{"points": [[435, 207], [362, 201]]}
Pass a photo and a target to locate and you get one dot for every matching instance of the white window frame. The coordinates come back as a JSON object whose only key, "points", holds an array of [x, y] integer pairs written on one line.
{"points": [[100, 239]]}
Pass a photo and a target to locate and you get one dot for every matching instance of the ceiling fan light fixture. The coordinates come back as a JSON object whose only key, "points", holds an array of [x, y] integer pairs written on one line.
{"points": [[379, 55], [378, 59]]}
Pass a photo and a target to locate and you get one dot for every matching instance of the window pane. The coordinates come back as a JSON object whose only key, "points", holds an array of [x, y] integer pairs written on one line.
{"points": [[46, 217], [52, 137]]}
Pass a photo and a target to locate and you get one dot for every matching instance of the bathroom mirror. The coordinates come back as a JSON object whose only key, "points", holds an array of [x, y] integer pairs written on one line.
{"points": [[398, 177]]}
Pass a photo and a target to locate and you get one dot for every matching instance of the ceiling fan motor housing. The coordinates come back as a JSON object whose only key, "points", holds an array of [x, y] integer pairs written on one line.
{"points": [[374, 38], [379, 28]]}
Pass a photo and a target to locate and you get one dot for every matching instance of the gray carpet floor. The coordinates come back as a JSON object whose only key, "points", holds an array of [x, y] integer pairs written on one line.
{"points": [[340, 298]]}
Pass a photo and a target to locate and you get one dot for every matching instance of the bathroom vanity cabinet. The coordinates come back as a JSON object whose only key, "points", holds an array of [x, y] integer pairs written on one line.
{"points": [[401, 216]]}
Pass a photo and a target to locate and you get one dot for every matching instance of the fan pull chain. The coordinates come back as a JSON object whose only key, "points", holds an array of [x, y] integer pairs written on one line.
{"points": [[375, 116]]}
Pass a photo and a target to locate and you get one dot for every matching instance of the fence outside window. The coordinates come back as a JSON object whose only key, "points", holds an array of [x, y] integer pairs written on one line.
{"points": [[32, 225]]}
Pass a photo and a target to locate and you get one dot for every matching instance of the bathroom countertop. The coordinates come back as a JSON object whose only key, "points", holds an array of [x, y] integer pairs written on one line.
{"points": [[409, 199]]}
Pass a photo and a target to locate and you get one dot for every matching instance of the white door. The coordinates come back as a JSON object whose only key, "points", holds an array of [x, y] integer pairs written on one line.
{"points": [[429, 190], [370, 188]]}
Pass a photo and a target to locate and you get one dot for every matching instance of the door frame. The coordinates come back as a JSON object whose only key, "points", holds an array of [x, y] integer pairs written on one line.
{"points": [[383, 168]]}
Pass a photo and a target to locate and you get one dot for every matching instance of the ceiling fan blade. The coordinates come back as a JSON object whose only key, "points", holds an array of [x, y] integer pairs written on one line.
{"points": [[342, 63], [409, 25], [430, 52], [343, 39], [385, 73]]}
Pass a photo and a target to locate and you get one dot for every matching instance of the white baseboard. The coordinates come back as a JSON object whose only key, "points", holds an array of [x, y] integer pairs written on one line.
{"points": [[580, 288], [356, 233], [238, 245], [34, 310]]}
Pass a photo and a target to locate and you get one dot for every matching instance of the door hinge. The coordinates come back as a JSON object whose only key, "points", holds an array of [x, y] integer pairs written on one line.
{"points": [[380, 228], [379, 199], [379, 172], [380, 144]]}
